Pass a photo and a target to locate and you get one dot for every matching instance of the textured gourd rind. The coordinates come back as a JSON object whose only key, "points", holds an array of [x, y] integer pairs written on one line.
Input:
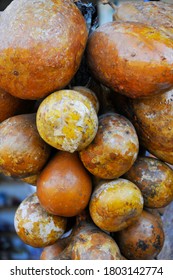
{"points": [[42, 43], [115, 205], [132, 58], [155, 180], [114, 148], [35, 226], [67, 120]]}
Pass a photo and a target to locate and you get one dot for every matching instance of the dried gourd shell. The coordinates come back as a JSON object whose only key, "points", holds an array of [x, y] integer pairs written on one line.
{"points": [[67, 120], [35, 226]]}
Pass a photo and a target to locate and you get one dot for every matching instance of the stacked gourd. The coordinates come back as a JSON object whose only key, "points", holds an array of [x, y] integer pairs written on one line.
{"points": [[84, 147]]}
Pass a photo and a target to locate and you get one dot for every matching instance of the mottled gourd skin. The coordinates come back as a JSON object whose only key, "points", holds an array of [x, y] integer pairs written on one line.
{"points": [[35, 226], [42, 43], [93, 244], [154, 179], [152, 118], [22, 151], [143, 240], [133, 59], [67, 120], [115, 205], [88, 242], [64, 186], [114, 148], [157, 14]]}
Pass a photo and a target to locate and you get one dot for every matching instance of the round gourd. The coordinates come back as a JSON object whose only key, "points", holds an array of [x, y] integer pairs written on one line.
{"points": [[64, 186], [154, 179], [67, 120], [35, 226], [132, 58], [143, 240], [115, 205], [22, 151], [42, 43], [114, 148]]}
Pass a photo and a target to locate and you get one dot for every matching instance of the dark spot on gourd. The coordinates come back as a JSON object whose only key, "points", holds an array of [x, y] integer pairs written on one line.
{"points": [[157, 244], [133, 54], [163, 58], [142, 245], [16, 73], [112, 156]]}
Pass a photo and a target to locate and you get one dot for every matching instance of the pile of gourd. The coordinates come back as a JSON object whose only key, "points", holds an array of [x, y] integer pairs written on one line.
{"points": [[99, 155]]}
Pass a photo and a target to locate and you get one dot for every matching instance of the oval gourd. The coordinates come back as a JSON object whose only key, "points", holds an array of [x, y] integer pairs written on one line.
{"points": [[133, 59], [41, 46]]}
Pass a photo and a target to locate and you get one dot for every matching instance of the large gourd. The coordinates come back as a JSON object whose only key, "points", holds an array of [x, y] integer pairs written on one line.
{"points": [[42, 43], [132, 58]]}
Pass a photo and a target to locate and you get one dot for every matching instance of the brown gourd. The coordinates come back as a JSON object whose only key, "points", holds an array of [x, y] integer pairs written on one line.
{"points": [[143, 240], [155, 180], [64, 186], [114, 148], [131, 58], [42, 43], [23, 152]]}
